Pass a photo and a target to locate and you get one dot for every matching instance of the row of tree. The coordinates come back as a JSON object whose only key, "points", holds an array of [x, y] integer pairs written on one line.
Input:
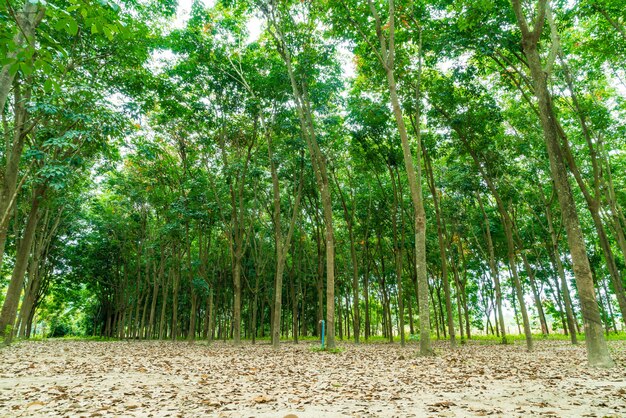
{"points": [[244, 187]]}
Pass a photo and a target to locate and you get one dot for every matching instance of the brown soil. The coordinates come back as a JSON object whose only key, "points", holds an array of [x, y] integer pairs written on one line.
{"points": [[93, 379]]}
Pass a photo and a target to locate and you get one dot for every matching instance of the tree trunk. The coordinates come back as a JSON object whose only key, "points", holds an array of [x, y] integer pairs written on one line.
{"points": [[366, 293], [415, 185], [9, 308], [597, 350], [9, 187], [166, 289], [553, 251], [155, 293], [175, 289], [536, 297], [191, 334], [494, 270], [397, 250], [436, 315], [443, 256], [349, 217], [318, 162]]}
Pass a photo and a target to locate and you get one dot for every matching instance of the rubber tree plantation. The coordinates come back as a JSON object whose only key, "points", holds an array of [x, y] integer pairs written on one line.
{"points": [[312, 208]]}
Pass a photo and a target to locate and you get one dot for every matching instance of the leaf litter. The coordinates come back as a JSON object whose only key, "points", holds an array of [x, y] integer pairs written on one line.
{"points": [[58, 378]]}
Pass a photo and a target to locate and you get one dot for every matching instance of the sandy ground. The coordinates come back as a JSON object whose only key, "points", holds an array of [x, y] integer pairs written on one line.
{"points": [[94, 379]]}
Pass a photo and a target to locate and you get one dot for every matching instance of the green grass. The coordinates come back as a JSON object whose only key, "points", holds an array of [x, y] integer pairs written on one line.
{"points": [[621, 336], [376, 339], [336, 350], [67, 338], [269, 338]]}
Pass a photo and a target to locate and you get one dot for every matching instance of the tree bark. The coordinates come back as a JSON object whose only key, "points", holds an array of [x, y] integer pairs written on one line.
{"points": [[597, 350], [493, 267], [282, 243], [27, 19], [349, 217], [415, 185], [318, 162], [9, 308], [443, 256], [553, 251]]}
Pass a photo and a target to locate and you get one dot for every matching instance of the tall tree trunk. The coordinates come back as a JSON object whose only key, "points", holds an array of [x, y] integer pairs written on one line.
{"points": [[294, 310], [415, 186], [597, 350], [366, 292], [436, 315], [28, 19], [493, 267], [175, 289], [461, 284], [608, 305], [162, 322], [191, 334], [397, 250], [30, 293], [553, 251], [11, 301], [443, 256], [536, 296], [37, 284], [155, 294], [318, 162], [349, 217], [282, 243], [617, 215], [593, 200], [237, 299], [385, 52], [9, 187], [144, 312]]}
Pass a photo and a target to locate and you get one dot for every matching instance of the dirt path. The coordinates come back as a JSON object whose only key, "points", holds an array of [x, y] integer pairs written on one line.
{"points": [[92, 379]]}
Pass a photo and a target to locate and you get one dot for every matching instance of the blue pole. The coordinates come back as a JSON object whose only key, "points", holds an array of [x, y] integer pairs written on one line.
{"points": [[323, 332]]}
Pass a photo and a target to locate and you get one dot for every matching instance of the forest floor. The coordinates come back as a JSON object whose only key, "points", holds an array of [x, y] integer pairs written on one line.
{"points": [[122, 378]]}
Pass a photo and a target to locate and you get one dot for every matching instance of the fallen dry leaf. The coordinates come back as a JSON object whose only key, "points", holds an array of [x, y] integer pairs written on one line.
{"points": [[141, 378], [262, 399]]}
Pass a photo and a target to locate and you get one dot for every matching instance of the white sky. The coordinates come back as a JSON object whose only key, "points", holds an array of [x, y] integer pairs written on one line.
{"points": [[184, 9], [255, 27]]}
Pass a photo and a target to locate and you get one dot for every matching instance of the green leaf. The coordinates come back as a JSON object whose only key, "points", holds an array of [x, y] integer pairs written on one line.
{"points": [[7, 61], [48, 85], [108, 32], [13, 69], [26, 69], [72, 27]]}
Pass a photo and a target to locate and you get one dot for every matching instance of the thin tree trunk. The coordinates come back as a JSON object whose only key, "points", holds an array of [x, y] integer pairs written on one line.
{"points": [[11, 301], [155, 293], [553, 251], [597, 350], [536, 296], [494, 270], [349, 217], [397, 247], [166, 288], [318, 162], [28, 19], [443, 256], [282, 244]]}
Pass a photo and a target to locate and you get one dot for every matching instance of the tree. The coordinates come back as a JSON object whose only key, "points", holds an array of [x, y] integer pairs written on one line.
{"points": [[597, 351]]}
